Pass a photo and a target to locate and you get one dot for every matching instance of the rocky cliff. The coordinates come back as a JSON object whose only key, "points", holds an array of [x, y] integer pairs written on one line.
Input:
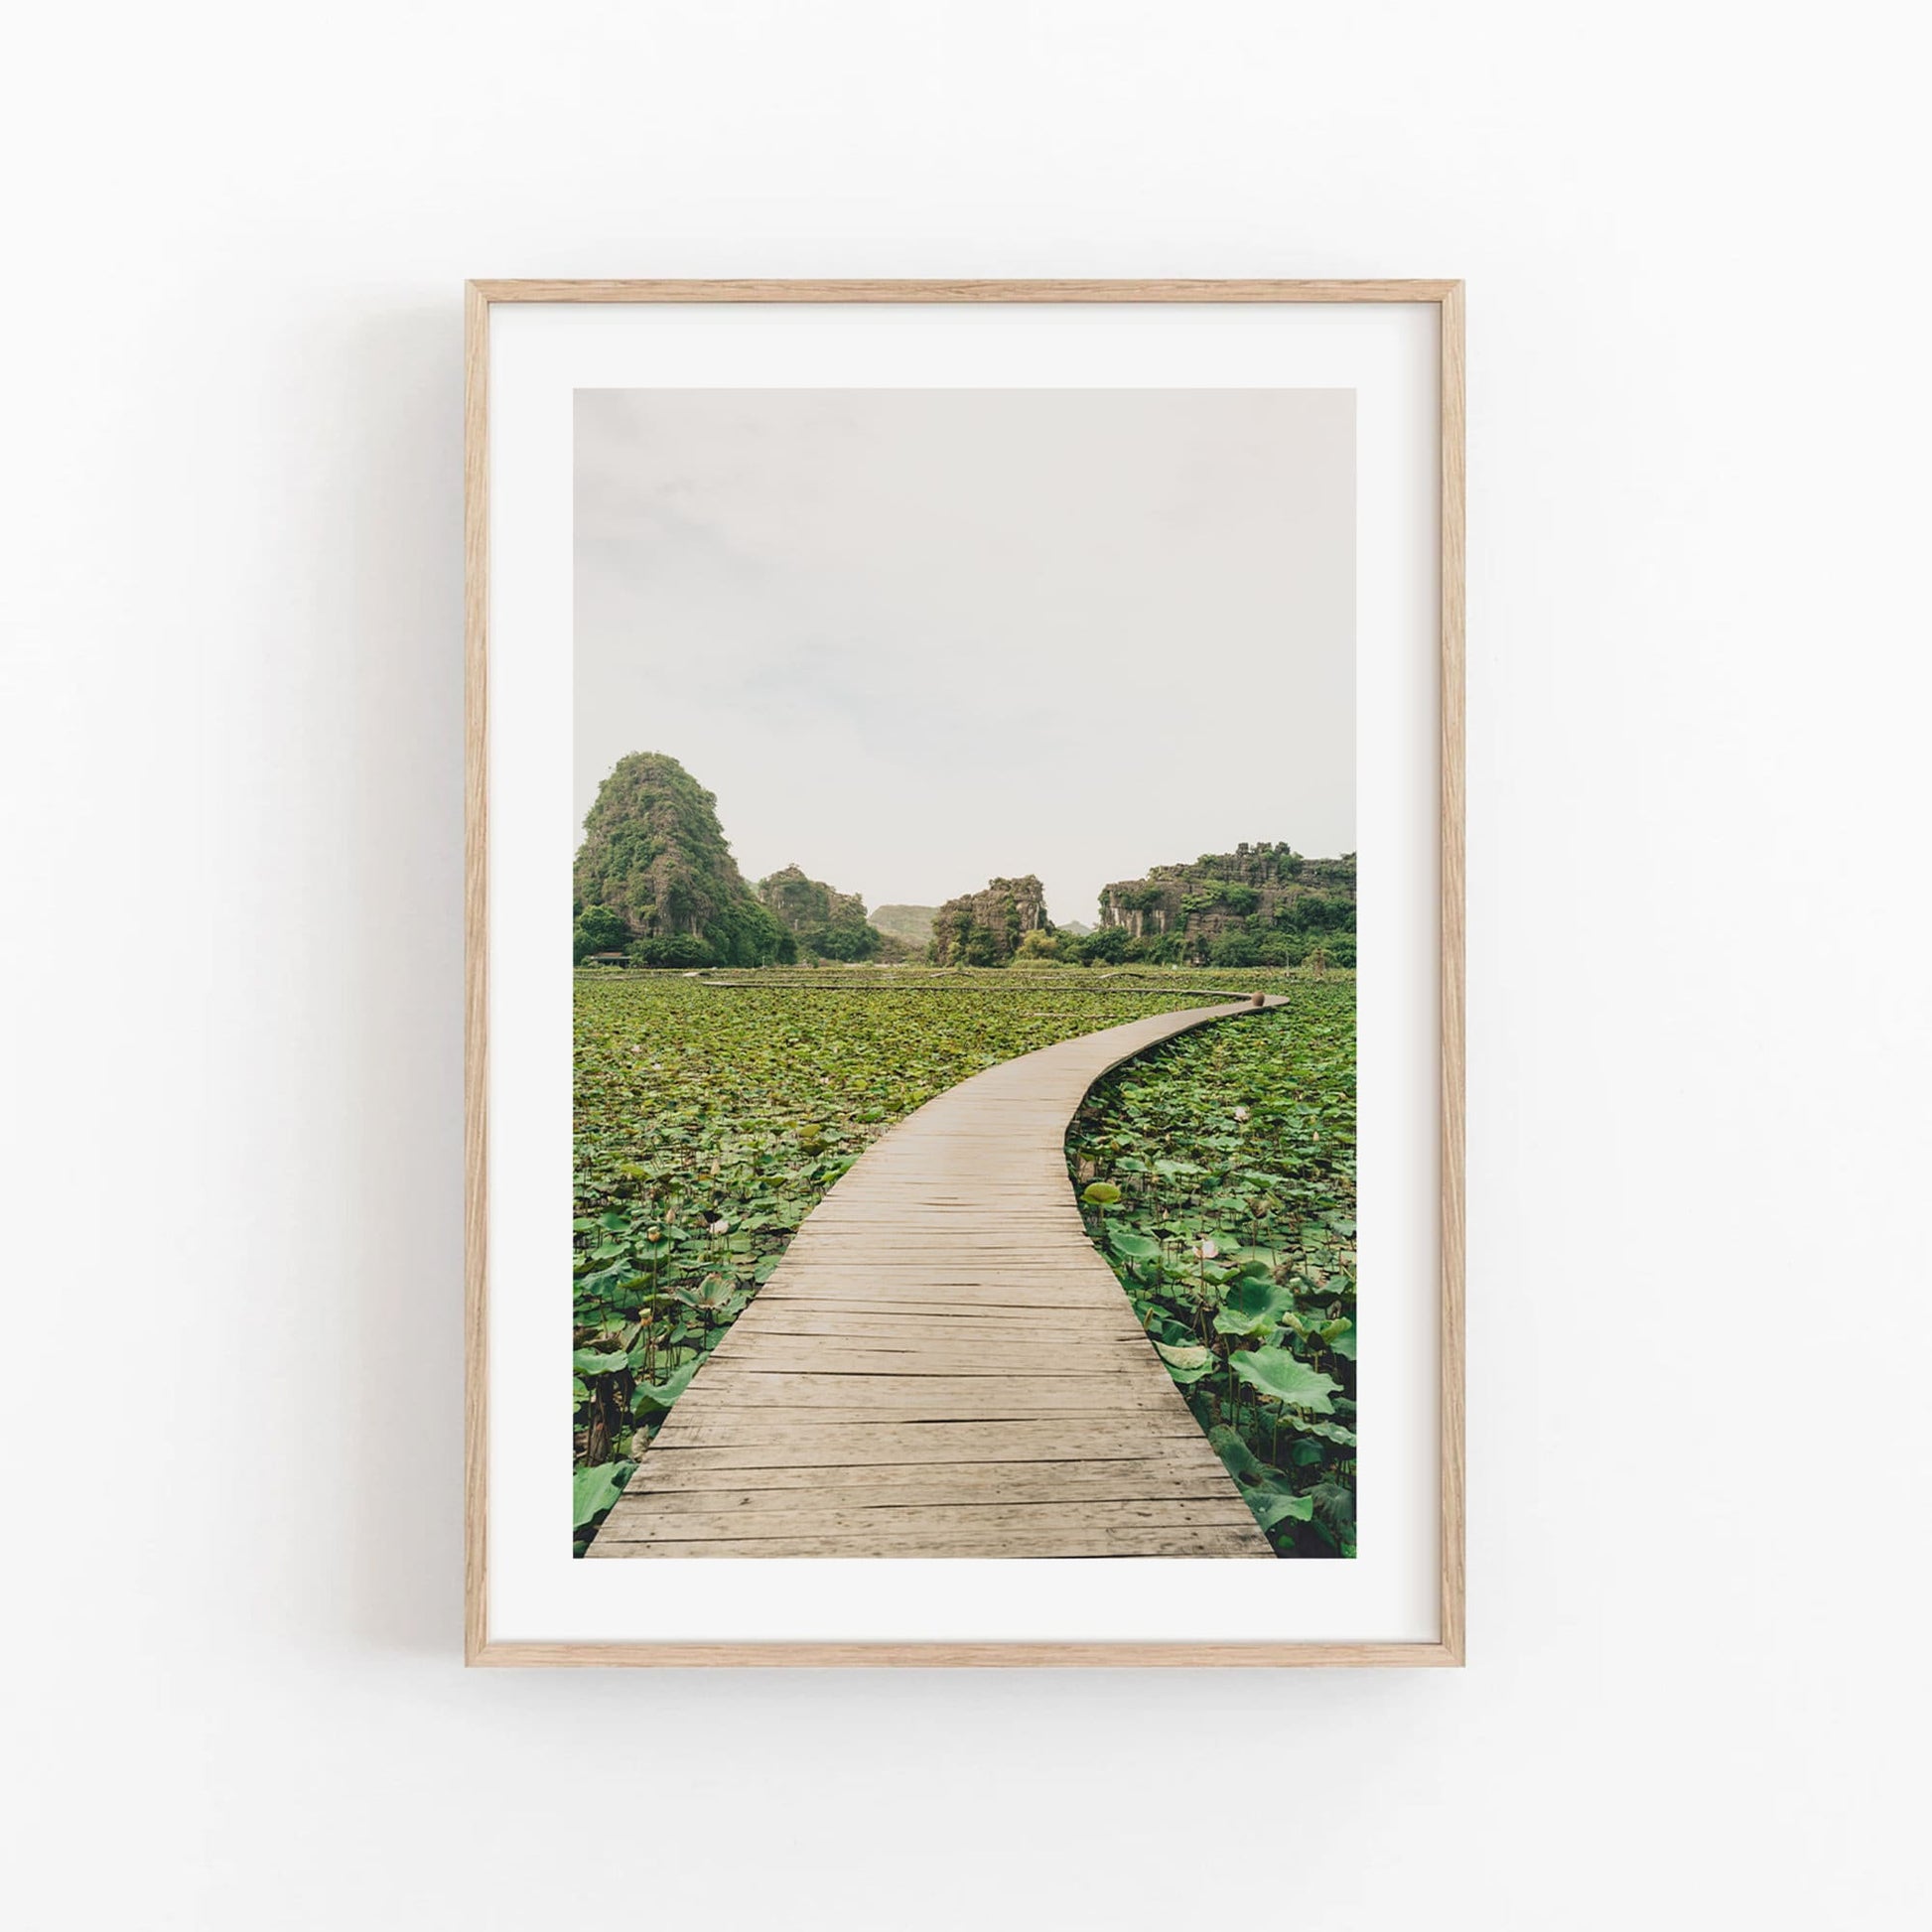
{"points": [[655, 879], [985, 928], [1263, 897]]}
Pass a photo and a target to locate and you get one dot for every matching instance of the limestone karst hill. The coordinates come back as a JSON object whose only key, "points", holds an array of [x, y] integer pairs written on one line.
{"points": [[985, 928], [822, 920], [655, 879], [1253, 906]]}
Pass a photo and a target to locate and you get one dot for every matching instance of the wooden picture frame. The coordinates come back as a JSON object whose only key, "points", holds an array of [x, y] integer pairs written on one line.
{"points": [[1446, 298]]}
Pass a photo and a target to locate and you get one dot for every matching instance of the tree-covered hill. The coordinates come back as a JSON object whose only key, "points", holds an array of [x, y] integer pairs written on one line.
{"points": [[987, 928], [655, 879], [826, 923], [1257, 905]]}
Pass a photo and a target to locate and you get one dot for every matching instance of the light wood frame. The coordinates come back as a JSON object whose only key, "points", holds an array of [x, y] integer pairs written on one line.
{"points": [[480, 297]]}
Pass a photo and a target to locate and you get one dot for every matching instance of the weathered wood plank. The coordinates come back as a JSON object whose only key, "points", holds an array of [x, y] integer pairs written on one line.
{"points": [[691, 1472], [894, 1519], [748, 1435], [894, 1327], [877, 1355], [1154, 1539]]}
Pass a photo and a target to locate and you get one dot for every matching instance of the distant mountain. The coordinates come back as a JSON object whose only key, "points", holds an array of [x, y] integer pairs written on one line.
{"points": [[1259, 904], [910, 923], [655, 879], [986, 929], [1075, 929], [827, 924]]}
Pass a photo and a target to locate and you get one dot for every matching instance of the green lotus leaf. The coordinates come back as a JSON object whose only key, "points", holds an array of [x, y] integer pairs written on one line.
{"points": [[1253, 1305], [1186, 1364], [1130, 1246], [1239, 1459], [593, 1492], [1332, 1432], [1100, 1194], [1275, 1372], [590, 1361], [651, 1395], [1271, 1506]]}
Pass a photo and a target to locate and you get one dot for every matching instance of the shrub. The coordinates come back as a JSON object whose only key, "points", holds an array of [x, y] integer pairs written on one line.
{"points": [[599, 929], [673, 949], [1108, 946], [1236, 950], [842, 943]]}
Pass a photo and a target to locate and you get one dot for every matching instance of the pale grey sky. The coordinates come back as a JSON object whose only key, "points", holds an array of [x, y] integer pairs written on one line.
{"points": [[914, 638]]}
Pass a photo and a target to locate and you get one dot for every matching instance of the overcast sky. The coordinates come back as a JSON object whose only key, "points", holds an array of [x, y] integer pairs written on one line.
{"points": [[916, 638]]}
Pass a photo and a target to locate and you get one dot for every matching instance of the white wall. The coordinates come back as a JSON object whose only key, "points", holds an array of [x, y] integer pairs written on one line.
{"points": [[1700, 1048]]}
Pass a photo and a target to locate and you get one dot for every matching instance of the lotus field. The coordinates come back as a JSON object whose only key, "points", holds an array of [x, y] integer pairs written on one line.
{"points": [[1216, 1175]]}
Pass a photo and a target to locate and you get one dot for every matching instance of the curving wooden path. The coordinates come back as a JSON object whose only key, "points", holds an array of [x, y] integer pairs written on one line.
{"points": [[942, 1366]]}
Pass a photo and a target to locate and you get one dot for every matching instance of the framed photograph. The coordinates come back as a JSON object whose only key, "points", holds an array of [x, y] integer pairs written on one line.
{"points": [[965, 966]]}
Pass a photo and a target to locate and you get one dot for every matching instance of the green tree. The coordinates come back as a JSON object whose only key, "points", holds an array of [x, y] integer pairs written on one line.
{"points": [[599, 929], [1236, 950], [673, 949], [824, 922]]}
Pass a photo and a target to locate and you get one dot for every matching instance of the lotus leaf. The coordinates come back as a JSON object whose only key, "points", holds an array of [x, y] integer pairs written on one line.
{"points": [[1186, 1365], [593, 1492], [592, 1362], [1275, 1372], [1254, 1306]]}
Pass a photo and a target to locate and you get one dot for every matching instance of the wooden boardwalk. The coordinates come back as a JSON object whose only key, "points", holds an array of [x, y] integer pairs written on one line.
{"points": [[942, 1366]]}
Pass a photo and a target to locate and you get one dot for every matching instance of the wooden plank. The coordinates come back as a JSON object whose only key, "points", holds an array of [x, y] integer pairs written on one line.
{"points": [[891, 1329], [908, 1354], [910, 1411], [1084, 1540], [747, 1437], [706, 1473], [860, 1512], [935, 1395]]}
